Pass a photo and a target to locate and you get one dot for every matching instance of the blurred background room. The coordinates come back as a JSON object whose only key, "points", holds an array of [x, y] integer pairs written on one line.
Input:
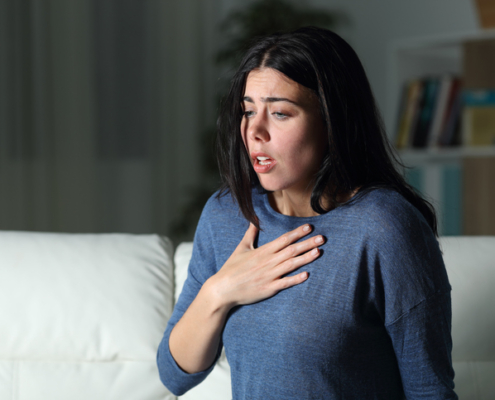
{"points": [[108, 108]]}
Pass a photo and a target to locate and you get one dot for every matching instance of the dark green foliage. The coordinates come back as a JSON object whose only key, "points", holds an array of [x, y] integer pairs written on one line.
{"points": [[264, 17]]}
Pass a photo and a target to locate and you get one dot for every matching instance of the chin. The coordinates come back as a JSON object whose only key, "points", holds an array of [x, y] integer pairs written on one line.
{"points": [[294, 186], [268, 187], [272, 186]]}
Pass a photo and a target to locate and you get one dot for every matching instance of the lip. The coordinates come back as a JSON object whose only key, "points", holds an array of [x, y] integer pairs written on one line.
{"points": [[262, 169]]}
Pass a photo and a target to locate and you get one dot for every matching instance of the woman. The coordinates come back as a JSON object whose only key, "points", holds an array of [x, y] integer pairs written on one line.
{"points": [[358, 310]]}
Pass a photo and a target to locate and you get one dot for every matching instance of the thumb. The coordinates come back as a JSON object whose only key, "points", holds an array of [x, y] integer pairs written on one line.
{"points": [[250, 236]]}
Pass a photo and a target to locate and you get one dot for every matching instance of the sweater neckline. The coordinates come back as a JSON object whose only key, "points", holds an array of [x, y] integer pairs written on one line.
{"points": [[290, 218]]}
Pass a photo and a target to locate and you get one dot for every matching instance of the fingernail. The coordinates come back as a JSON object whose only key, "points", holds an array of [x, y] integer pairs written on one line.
{"points": [[306, 228], [314, 252], [319, 239]]}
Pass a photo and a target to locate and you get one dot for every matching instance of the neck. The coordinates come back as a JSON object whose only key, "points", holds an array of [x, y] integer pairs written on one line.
{"points": [[298, 204], [292, 204]]}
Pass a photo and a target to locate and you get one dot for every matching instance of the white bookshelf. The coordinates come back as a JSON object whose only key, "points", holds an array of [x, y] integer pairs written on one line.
{"points": [[423, 56], [418, 58], [414, 58], [443, 155]]}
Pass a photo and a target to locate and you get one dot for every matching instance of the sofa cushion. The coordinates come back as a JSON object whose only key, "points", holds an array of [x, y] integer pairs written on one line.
{"points": [[82, 315], [470, 264], [182, 257], [217, 385]]}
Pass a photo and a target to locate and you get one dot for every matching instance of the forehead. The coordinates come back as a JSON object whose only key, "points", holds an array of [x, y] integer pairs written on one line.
{"points": [[268, 82]]}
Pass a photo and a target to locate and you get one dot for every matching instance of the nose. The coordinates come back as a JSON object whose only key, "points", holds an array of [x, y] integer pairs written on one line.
{"points": [[257, 129]]}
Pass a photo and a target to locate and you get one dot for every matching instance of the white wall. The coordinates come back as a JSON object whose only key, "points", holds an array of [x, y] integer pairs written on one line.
{"points": [[374, 24]]}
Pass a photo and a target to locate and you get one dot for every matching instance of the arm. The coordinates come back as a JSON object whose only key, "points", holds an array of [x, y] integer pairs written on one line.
{"points": [[249, 275], [192, 340], [416, 302], [423, 345]]}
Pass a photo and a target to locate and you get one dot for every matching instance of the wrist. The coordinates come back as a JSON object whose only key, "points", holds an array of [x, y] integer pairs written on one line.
{"points": [[213, 295]]}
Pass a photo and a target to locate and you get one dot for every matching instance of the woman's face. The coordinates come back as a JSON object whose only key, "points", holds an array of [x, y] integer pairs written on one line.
{"points": [[283, 131]]}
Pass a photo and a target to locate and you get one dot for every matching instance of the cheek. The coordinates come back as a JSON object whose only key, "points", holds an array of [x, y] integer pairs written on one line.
{"points": [[308, 149], [298, 154], [307, 141]]}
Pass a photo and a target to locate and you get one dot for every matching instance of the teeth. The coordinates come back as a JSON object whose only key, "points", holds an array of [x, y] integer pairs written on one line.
{"points": [[263, 160]]}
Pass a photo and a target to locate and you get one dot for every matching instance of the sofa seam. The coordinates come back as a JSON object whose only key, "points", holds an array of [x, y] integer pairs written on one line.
{"points": [[474, 373], [14, 380]]}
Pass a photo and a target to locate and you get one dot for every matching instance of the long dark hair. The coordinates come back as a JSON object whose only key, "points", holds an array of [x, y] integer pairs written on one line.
{"points": [[359, 154]]}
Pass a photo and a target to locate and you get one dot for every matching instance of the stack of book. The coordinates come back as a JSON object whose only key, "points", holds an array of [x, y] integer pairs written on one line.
{"points": [[430, 113], [438, 111]]}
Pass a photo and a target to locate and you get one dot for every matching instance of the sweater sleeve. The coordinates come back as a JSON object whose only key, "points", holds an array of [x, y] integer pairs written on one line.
{"points": [[415, 302], [201, 267], [422, 343]]}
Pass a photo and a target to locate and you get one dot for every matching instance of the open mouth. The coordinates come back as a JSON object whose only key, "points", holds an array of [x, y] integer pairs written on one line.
{"points": [[264, 160]]}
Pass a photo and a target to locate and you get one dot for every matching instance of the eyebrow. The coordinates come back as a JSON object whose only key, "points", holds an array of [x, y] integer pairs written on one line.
{"points": [[270, 100]]}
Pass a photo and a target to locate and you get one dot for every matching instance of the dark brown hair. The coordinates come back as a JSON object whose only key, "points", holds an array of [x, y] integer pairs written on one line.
{"points": [[359, 154]]}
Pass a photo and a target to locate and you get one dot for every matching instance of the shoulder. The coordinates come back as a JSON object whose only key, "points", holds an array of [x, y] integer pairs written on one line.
{"points": [[219, 217], [220, 202], [222, 207], [219, 210], [388, 217], [393, 225], [220, 229], [386, 204], [402, 250]]}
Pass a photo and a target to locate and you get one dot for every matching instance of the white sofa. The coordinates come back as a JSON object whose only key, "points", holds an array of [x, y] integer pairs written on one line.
{"points": [[81, 316]]}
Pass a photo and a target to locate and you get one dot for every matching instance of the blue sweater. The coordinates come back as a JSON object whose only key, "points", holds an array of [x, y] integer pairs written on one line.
{"points": [[372, 321]]}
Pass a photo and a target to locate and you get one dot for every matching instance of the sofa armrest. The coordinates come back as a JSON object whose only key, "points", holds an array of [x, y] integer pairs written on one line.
{"points": [[82, 315]]}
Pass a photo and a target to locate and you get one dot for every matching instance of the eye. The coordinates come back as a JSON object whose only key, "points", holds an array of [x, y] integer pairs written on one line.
{"points": [[248, 114], [280, 115]]}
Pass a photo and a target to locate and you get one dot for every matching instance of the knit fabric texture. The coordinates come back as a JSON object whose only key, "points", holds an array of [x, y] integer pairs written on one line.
{"points": [[372, 321]]}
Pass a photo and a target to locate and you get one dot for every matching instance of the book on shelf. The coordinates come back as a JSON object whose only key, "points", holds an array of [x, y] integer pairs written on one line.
{"points": [[478, 194], [450, 132], [425, 114], [411, 94], [430, 113], [440, 115], [479, 117]]}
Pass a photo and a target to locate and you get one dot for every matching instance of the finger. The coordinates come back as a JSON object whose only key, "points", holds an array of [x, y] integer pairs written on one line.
{"points": [[290, 237], [250, 236], [289, 281], [297, 262], [298, 248]]}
